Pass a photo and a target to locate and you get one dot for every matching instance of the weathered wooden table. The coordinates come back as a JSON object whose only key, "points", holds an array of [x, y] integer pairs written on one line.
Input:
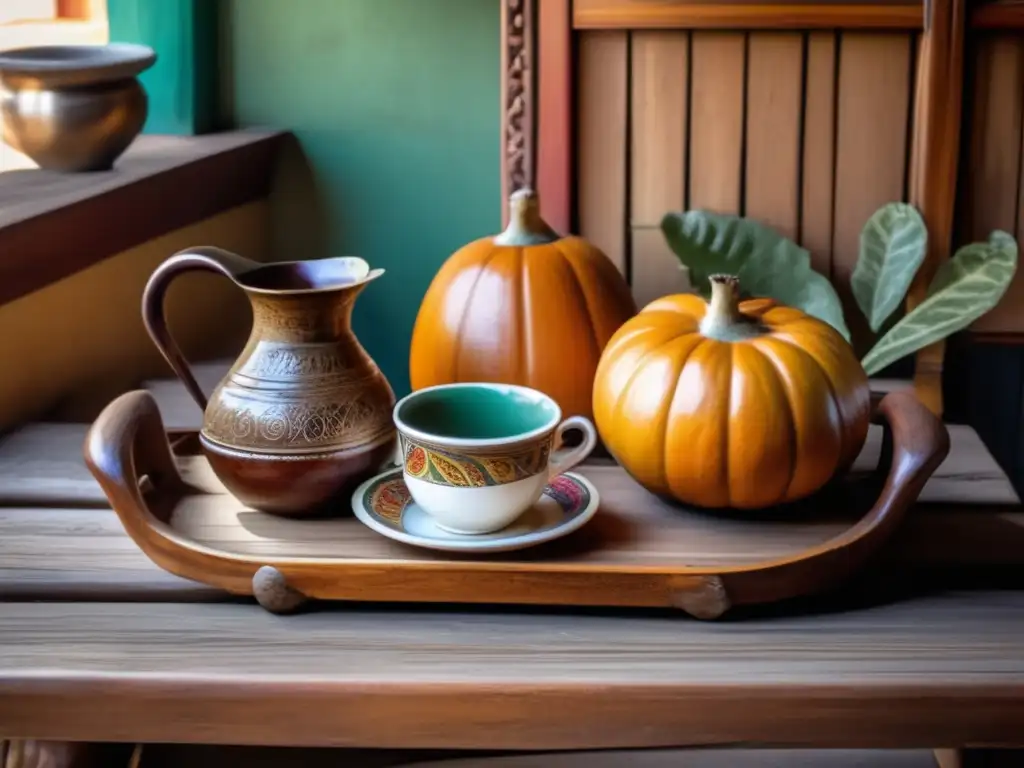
{"points": [[98, 644]]}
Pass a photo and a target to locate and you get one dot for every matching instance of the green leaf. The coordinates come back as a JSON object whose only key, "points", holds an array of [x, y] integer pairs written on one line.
{"points": [[766, 263], [964, 289], [892, 246], [819, 299]]}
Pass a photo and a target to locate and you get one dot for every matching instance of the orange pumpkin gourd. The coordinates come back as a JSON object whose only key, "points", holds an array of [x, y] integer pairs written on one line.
{"points": [[730, 404], [525, 307]]}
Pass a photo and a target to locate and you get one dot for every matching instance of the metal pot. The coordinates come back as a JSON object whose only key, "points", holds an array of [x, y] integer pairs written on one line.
{"points": [[75, 107]]}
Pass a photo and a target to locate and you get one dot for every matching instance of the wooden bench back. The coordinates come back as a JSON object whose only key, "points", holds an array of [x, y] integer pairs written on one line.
{"points": [[805, 115]]}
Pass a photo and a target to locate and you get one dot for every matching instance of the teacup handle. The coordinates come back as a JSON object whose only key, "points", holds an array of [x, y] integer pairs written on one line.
{"points": [[563, 461]]}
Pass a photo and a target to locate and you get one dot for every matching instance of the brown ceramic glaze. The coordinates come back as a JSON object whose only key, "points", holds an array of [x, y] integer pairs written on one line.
{"points": [[304, 414]]}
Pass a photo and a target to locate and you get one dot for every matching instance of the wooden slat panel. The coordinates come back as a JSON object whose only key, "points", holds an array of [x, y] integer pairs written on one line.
{"points": [[994, 170], [656, 269], [603, 110], [554, 112], [774, 88], [819, 150], [660, 62], [749, 14], [945, 668], [716, 121], [871, 147]]}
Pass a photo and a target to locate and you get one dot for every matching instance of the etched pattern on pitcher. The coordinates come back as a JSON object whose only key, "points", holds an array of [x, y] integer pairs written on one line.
{"points": [[302, 425]]}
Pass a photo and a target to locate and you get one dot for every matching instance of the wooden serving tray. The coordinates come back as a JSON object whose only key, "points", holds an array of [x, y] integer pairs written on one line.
{"points": [[637, 551]]}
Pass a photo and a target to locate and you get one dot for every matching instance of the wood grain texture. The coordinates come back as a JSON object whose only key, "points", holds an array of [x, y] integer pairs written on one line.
{"points": [[41, 464], [754, 14], [658, 535], [85, 555], [554, 112], [48, 220], [994, 170], [127, 445], [946, 668], [716, 121], [602, 136], [819, 150], [660, 77], [871, 148], [773, 115], [660, 72], [936, 158], [53, 552]]}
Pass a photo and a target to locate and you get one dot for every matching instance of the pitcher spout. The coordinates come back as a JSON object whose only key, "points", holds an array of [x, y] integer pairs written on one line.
{"points": [[315, 276]]}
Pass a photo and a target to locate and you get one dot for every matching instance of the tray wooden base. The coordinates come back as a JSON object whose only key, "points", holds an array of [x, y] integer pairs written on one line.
{"points": [[638, 551]]}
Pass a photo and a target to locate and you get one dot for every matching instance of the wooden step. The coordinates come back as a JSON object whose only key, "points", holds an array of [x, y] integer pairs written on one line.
{"points": [[941, 669]]}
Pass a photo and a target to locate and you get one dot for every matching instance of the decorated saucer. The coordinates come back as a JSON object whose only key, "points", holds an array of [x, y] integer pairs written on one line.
{"points": [[384, 504]]}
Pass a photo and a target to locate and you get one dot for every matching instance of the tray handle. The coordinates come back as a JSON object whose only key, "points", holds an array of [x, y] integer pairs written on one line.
{"points": [[915, 444], [128, 452]]}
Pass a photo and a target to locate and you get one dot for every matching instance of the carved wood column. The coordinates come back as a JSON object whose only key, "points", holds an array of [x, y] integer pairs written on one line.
{"points": [[518, 97], [536, 105]]}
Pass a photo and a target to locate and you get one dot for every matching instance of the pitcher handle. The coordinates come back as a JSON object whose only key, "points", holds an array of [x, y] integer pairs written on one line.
{"points": [[564, 460], [208, 259]]}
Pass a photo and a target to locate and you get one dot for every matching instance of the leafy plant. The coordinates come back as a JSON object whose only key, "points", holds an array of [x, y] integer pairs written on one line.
{"points": [[965, 288], [893, 245], [766, 263]]}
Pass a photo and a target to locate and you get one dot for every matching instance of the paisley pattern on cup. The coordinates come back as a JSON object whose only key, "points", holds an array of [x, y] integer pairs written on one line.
{"points": [[388, 497], [460, 470], [570, 495]]}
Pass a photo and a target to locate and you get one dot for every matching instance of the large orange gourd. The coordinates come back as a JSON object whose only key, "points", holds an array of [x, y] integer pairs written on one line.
{"points": [[730, 404], [524, 307]]}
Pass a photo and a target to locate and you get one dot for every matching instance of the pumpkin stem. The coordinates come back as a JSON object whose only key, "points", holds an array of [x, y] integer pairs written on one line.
{"points": [[525, 225], [723, 319]]}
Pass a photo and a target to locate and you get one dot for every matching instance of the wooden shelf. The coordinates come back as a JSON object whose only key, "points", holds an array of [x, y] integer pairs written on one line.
{"points": [[53, 225], [746, 14]]}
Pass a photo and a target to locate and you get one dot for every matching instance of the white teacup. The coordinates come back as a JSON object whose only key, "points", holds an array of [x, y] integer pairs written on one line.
{"points": [[476, 456]]}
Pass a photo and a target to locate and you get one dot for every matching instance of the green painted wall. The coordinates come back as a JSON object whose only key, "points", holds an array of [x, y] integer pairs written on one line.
{"points": [[395, 106], [182, 85]]}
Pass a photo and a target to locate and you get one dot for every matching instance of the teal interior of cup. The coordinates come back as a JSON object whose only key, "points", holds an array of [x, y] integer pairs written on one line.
{"points": [[476, 412]]}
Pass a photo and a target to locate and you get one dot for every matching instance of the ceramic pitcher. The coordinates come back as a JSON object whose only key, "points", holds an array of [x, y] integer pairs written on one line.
{"points": [[304, 414]]}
